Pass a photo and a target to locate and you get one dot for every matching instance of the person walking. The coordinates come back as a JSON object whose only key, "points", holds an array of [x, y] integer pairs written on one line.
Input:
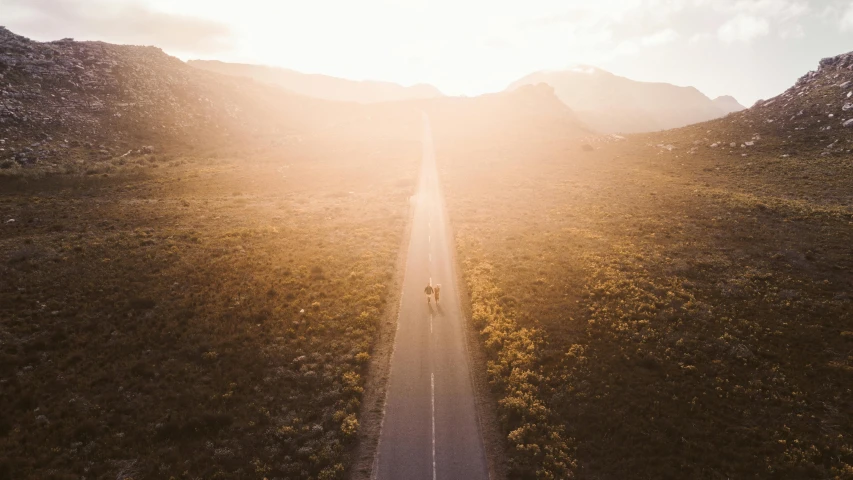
{"points": [[437, 290], [429, 291]]}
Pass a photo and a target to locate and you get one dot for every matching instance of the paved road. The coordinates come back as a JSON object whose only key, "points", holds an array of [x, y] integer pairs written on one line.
{"points": [[430, 429]]}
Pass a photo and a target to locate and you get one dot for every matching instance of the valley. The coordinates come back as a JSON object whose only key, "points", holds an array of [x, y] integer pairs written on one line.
{"points": [[217, 270]]}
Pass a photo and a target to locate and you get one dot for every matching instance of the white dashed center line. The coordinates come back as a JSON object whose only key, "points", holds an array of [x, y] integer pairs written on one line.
{"points": [[432, 387]]}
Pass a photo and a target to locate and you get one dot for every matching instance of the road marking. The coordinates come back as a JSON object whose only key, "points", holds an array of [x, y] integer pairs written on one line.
{"points": [[432, 387], [430, 324]]}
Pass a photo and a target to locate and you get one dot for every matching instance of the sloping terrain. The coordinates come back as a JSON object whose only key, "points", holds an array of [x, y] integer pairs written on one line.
{"points": [[205, 308], [65, 101], [798, 138], [815, 116], [198, 316], [322, 86], [612, 104], [660, 308]]}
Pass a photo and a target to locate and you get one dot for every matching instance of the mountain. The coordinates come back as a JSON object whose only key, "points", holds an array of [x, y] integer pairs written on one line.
{"points": [[728, 104], [814, 116], [62, 96], [321, 86], [818, 108], [531, 113], [612, 104]]}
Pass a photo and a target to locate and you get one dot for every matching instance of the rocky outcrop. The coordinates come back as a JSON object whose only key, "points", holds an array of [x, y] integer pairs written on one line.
{"points": [[812, 118], [811, 115], [59, 96]]}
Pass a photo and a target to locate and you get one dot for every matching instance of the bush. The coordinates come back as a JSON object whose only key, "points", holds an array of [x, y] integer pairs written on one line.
{"points": [[535, 436]]}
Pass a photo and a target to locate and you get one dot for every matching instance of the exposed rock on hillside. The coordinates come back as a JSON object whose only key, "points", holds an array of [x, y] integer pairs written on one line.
{"points": [[813, 116], [110, 99]]}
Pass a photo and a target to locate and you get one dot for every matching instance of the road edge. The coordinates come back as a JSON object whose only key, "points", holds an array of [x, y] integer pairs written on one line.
{"points": [[494, 442], [372, 412]]}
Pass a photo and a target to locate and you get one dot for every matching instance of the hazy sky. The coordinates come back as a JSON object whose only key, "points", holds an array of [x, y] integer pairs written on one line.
{"points": [[747, 48]]}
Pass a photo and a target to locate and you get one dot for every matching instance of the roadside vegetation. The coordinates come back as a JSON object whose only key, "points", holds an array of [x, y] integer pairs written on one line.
{"points": [[189, 315], [656, 312]]}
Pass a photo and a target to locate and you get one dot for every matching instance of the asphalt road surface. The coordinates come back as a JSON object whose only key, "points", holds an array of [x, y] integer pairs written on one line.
{"points": [[430, 429]]}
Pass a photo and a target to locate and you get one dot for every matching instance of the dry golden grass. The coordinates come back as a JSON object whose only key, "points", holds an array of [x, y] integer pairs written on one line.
{"points": [[198, 317], [656, 314]]}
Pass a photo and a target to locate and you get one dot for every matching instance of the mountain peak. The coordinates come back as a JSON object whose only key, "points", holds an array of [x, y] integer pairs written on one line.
{"points": [[728, 104], [587, 69], [614, 104]]}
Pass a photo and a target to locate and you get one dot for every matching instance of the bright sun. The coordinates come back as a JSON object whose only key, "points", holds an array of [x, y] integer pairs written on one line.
{"points": [[455, 46]]}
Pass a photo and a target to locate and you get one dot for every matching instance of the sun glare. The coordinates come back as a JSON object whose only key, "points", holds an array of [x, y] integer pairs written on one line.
{"points": [[463, 48], [414, 239]]}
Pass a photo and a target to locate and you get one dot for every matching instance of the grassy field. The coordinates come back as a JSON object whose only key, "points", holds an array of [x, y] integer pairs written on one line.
{"points": [[198, 316], [654, 313]]}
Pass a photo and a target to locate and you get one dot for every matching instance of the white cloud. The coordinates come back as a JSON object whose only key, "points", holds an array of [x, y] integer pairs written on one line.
{"points": [[700, 38], [627, 47], [129, 21], [847, 19], [782, 10], [792, 31], [635, 45], [793, 11], [743, 28], [660, 38]]}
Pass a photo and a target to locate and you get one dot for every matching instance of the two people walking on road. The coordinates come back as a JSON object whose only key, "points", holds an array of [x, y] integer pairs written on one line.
{"points": [[430, 290]]}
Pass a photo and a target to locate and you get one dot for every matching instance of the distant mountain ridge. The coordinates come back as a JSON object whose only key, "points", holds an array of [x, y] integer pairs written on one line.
{"points": [[609, 103], [322, 86], [728, 104], [63, 96], [505, 115]]}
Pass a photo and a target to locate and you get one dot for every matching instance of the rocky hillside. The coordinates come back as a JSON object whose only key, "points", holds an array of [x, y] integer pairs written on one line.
{"points": [[813, 117], [815, 113], [612, 104], [322, 86], [59, 99]]}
